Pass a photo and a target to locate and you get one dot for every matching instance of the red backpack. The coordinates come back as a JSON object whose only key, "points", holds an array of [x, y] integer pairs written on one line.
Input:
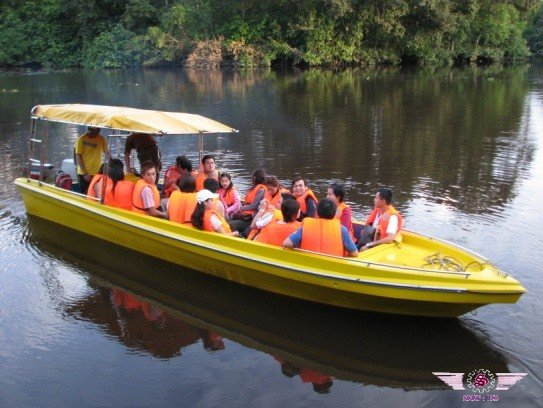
{"points": [[63, 180]]}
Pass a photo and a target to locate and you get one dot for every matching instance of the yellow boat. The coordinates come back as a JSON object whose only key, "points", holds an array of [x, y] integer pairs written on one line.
{"points": [[411, 278]]}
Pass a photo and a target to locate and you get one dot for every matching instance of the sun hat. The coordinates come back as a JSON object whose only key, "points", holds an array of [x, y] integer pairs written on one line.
{"points": [[204, 195]]}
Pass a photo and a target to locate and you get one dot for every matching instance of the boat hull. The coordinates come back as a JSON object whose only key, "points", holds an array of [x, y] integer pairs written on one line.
{"points": [[338, 282]]}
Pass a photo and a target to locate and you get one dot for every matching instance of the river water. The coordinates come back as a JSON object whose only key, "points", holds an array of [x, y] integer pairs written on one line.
{"points": [[86, 323]]}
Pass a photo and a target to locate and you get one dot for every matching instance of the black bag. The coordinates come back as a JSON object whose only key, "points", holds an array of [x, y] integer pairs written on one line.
{"points": [[367, 235], [241, 216]]}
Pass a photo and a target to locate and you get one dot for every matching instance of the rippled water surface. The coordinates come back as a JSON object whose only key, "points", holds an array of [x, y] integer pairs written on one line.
{"points": [[85, 323]]}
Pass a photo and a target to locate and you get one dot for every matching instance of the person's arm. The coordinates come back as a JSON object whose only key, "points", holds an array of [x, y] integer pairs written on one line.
{"points": [[127, 151], [81, 164], [235, 206], [127, 164], [217, 226], [392, 230], [294, 239], [311, 207], [348, 244], [259, 214], [254, 205], [149, 204]]}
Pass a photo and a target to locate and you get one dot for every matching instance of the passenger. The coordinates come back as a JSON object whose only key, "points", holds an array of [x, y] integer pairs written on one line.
{"points": [[213, 185], [273, 191], [255, 194], [95, 187], [228, 194], [308, 201], [182, 202], [146, 198], [88, 153], [324, 234], [277, 231], [242, 218], [267, 214], [208, 171], [386, 220], [205, 217], [174, 173], [118, 190], [147, 150], [336, 193]]}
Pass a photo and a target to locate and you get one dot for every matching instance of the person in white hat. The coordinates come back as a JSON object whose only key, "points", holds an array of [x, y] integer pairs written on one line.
{"points": [[206, 217]]}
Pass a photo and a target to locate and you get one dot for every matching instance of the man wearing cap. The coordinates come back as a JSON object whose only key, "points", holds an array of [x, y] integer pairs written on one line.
{"points": [[88, 152], [206, 217]]}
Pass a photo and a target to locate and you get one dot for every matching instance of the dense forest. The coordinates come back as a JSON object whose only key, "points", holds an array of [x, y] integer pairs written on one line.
{"points": [[210, 33]]}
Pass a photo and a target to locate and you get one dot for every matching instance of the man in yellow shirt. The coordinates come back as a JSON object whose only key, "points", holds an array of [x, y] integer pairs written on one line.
{"points": [[88, 152]]}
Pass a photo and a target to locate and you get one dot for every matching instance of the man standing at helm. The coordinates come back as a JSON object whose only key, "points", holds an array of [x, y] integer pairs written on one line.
{"points": [[88, 152], [146, 148]]}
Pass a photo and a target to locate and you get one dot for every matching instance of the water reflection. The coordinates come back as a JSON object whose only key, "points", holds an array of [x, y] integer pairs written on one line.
{"points": [[168, 308], [139, 324]]}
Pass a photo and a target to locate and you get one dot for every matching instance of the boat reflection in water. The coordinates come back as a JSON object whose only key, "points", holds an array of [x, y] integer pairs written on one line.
{"points": [[141, 325], [170, 307]]}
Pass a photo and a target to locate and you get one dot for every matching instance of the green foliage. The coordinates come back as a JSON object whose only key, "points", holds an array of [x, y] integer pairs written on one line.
{"points": [[534, 32], [117, 48], [123, 33]]}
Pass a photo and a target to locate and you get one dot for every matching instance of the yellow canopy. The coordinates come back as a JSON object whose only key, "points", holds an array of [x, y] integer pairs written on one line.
{"points": [[130, 119]]}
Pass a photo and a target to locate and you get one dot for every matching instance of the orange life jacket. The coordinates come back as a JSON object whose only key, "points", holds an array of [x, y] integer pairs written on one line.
{"points": [[383, 221], [301, 200], [277, 216], [121, 197], [251, 195], [172, 175], [276, 232], [274, 200], [137, 201], [181, 206], [97, 178], [322, 235], [340, 208], [228, 196], [207, 221], [200, 178]]}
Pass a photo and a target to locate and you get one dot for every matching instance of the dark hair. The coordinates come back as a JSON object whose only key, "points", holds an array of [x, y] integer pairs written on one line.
{"points": [[326, 209], [298, 178], [187, 184], [339, 191], [385, 194], [184, 163], [229, 177], [272, 181], [211, 184], [197, 218], [147, 165], [259, 176], [289, 209], [115, 171], [207, 156]]}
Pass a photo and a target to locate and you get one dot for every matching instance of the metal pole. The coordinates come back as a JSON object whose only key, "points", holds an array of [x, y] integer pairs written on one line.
{"points": [[31, 147], [200, 147], [43, 153]]}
